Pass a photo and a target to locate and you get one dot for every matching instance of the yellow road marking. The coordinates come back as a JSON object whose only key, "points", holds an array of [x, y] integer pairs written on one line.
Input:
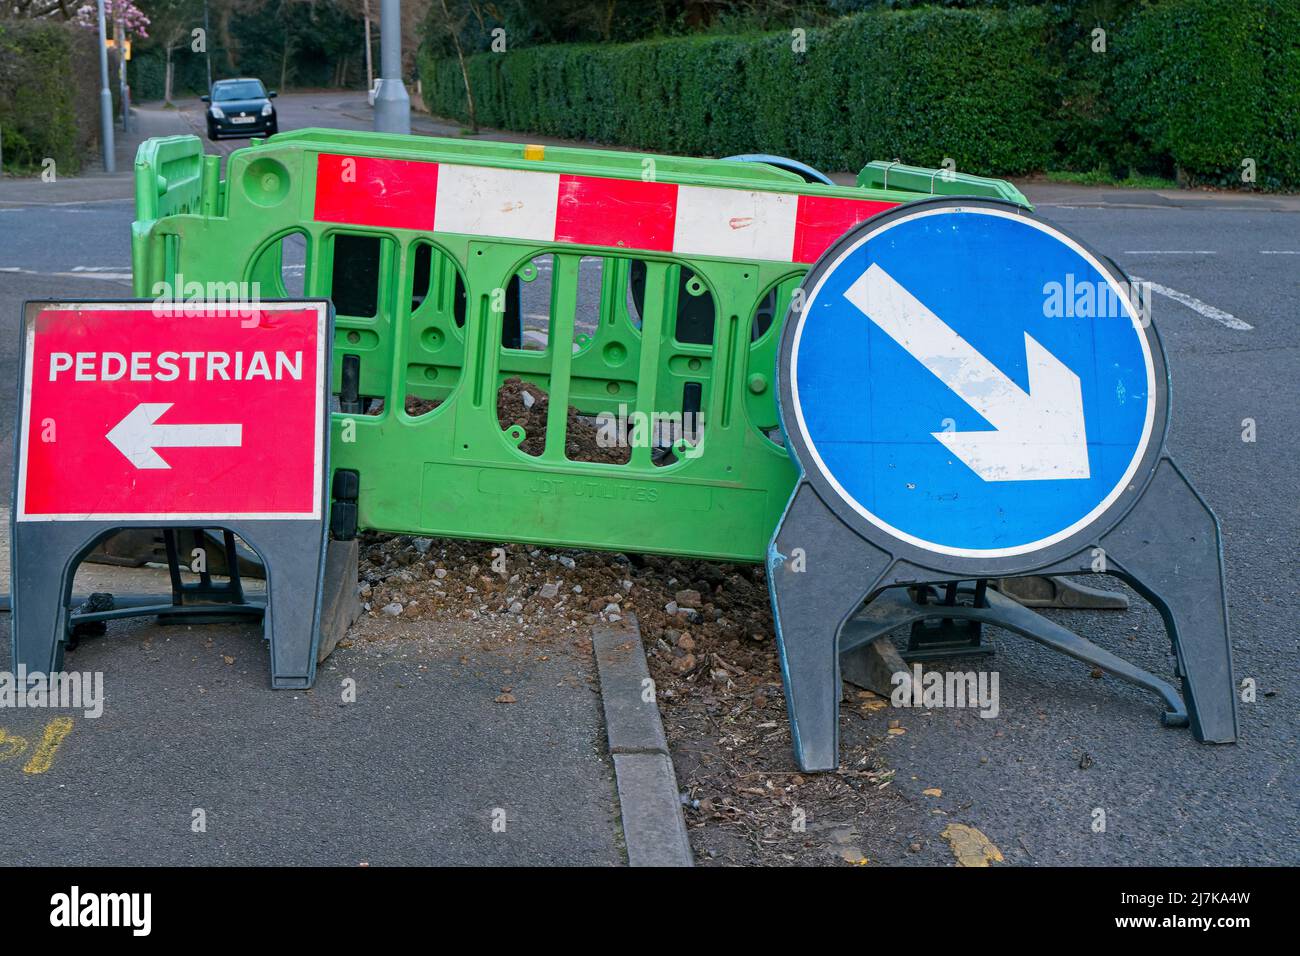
{"points": [[55, 731], [10, 746]]}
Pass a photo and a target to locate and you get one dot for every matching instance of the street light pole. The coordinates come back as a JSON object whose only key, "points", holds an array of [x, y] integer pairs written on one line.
{"points": [[119, 44], [207, 44], [370, 70], [105, 97], [392, 103]]}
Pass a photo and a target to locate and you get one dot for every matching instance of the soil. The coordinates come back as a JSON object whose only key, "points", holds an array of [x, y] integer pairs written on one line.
{"points": [[525, 404], [420, 406]]}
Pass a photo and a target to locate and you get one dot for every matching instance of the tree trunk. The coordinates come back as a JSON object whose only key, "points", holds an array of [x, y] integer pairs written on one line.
{"points": [[469, 92], [167, 80], [227, 42], [464, 71]]}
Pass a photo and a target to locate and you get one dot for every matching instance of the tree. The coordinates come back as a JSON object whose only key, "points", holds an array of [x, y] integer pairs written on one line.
{"points": [[134, 21], [415, 15], [455, 25], [173, 23]]}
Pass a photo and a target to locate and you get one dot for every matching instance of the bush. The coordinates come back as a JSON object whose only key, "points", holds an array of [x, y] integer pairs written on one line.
{"points": [[1194, 86], [1207, 84], [48, 96], [919, 85]]}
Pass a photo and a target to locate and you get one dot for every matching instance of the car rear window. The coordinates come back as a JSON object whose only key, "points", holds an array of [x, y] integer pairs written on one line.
{"points": [[249, 90]]}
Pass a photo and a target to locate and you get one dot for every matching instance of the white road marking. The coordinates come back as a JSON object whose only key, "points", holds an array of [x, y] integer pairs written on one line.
{"points": [[1169, 252], [1196, 305], [1039, 435], [103, 276], [18, 205], [1279, 252]]}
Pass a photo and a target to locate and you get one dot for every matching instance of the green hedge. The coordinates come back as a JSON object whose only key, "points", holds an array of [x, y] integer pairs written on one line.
{"points": [[1208, 84], [921, 85], [147, 72], [48, 100], [1193, 86]]}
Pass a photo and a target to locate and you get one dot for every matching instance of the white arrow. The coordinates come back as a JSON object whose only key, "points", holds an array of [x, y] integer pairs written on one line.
{"points": [[1037, 435], [138, 434]]}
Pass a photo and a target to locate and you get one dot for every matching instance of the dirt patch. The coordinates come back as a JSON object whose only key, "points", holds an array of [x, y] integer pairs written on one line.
{"points": [[707, 630], [526, 404], [420, 406]]}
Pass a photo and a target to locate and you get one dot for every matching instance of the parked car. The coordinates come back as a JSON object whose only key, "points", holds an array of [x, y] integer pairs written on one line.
{"points": [[240, 107]]}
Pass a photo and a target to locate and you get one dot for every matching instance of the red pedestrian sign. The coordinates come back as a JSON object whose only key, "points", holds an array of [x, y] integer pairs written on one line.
{"points": [[143, 411]]}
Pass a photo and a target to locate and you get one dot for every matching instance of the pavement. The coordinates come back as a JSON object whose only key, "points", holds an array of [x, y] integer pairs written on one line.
{"points": [[413, 769], [401, 754]]}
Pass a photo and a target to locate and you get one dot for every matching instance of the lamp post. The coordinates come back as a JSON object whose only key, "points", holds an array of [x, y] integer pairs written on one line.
{"points": [[207, 44], [392, 103], [105, 97], [119, 44]]}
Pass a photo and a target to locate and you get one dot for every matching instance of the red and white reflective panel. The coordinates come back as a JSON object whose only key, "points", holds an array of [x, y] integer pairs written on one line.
{"points": [[583, 210], [134, 412]]}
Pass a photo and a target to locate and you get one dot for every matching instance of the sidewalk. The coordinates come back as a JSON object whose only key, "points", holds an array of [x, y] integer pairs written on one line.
{"points": [[421, 743], [93, 184], [147, 122]]}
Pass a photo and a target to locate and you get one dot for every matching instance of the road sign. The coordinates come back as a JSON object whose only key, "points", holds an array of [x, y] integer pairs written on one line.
{"points": [[971, 393], [963, 404], [175, 415], [162, 415]]}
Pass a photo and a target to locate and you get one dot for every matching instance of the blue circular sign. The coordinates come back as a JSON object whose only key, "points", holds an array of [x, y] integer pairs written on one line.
{"points": [[970, 380]]}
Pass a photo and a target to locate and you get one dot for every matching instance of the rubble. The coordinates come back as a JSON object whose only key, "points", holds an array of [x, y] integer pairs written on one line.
{"points": [[715, 668]]}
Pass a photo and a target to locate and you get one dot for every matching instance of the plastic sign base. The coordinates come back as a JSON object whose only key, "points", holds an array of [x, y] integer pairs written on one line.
{"points": [[1169, 552], [139, 415], [45, 560], [949, 427]]}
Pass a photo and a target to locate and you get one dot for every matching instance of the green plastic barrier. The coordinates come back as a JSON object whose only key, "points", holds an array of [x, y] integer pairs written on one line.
{"points": [[936, 182], [645, 286]]}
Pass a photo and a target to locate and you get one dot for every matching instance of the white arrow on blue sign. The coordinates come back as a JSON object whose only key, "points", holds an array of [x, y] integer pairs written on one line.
{"points": [[971, 381]]}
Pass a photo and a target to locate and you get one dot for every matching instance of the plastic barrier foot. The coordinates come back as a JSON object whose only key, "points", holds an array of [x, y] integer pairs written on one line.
{"points": [[809, 609], [895, 607], [1168, 549]]}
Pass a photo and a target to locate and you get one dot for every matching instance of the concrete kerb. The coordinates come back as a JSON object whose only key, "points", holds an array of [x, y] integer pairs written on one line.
{"points": [[647, 786]]}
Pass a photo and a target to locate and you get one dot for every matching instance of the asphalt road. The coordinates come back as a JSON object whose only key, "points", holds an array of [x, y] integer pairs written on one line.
{"points": [[341, 784], [1167, 799]]}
